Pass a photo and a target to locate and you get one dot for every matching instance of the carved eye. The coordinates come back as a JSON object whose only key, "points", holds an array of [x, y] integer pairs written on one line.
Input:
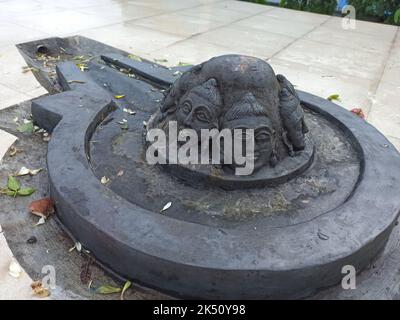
{"points": [[187, 107], [262, 136], [203, 116]]}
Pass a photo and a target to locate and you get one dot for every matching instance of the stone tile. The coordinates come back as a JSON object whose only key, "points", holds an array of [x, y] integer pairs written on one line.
{"points": [[12, 8], [132, 38], [169, 5], [11, 72], [241, 6], [350, 39], [61, 23], [378, 30], [253, 42], [9, 97], [12, 288], [78, 3], [397, 40], [395, 141], [216, 14], [385, 112], [6, 141], [275, 25], [392, 70], [121, 12], [208, 1], [295, 15], [189, 51], [37, 92], [178, 24], [349, 61], [11, 33], [354, 92]]}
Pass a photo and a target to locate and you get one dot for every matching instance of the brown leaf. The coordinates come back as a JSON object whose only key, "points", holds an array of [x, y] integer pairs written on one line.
{"points": [[39, 290], [13, 151], [42, 208], [86, 273], [359, 112]]}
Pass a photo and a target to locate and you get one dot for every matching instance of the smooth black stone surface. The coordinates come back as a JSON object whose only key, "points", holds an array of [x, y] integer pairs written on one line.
{"points": [[191, 259]]}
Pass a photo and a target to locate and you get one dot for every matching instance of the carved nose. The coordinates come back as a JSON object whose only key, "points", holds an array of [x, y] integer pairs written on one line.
{"points": [[188, 120]]}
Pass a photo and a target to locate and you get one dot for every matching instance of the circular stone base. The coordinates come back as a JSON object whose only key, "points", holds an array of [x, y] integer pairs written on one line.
{"points": [[378, 281], [296, 239], [324, 186]]}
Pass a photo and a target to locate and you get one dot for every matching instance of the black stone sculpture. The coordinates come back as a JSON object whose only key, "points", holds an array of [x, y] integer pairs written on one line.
{"points": [[240, 92], [324, 195], [235, 87]]}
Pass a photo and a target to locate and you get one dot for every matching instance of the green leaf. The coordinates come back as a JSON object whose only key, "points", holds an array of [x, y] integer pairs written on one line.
{"points": [[107, 290], [124, 126], [160, 60], [13, 184], [127, 285], [10, 193], [183, 64], [25, 191], [397, 17], [82, 66], [334, 97], [79, 58], [26, 128], [134, 57]]}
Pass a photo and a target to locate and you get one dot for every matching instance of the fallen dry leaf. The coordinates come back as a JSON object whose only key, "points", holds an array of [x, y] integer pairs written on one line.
{"points": [[14, 270], [359, 112], [41, 221], [38, 289], [26, 69], [123, 121], [129, 111], [76, 81], [127, 285], [86, 273], [25, 171], [166, 207], [46, 137], [42, 208], [13, 151], [104, 180]]}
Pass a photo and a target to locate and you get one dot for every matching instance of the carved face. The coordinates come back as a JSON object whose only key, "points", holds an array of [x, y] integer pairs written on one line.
{"points": [[197, 113], [263, 137]]}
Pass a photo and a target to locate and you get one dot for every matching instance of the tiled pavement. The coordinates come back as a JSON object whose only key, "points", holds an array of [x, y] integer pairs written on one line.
{"points": [[313, 51], [10, 287]]}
